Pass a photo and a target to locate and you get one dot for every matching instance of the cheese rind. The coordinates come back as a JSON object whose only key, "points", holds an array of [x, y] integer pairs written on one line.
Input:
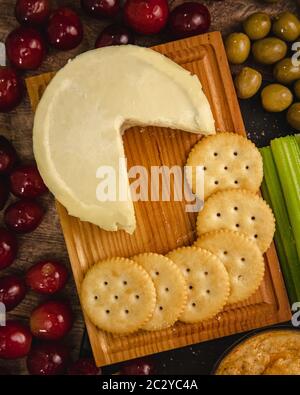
{"points": [[88, 105]]}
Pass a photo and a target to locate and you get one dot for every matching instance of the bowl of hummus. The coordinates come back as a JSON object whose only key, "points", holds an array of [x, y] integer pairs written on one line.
{"points": [[270, 352]]}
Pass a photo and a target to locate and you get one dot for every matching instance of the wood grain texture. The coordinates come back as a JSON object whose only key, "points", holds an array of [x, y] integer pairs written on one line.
{"points": [[163, 226], [47, 241]]}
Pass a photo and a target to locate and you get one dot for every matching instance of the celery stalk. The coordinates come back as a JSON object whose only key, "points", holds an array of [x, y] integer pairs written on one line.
{"points": [[286, 154], [297, 137], [284, 264], [284, 238], [280, 248]]}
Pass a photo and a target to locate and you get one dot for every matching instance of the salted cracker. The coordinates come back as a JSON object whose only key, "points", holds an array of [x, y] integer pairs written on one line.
{"points": [[238, 210], [170, 286], [242, 259], [207, 282], [118, 295], [229, 160]]}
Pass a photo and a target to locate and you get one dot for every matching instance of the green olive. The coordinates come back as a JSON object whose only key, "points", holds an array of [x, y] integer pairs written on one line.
{"points": [[276, 98], [285, 72], [247, 82], [257, 25], [297, 89], [237, 47], [293, 116], [269, 50], [286, 26]]}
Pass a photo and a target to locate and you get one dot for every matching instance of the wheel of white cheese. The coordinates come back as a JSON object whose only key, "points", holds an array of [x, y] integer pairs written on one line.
{"points": [[85, 109]]}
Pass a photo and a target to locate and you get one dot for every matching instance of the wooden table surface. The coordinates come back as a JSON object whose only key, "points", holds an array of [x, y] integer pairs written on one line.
{"points": [[47, 241]]}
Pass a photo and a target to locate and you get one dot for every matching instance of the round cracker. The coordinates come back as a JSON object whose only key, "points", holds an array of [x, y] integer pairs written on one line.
{"points": [[242, 258], [238, 210], [118, 295], [230, 161], [170, 286], [207, 281]]}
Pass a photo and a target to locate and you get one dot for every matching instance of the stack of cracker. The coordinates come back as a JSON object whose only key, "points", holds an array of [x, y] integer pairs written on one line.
{"points": [[146, 292], [236, 224], [152, 291], [192, 284]]}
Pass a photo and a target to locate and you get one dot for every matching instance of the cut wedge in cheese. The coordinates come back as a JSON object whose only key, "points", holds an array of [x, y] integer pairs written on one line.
{"points": [[85, 109]]}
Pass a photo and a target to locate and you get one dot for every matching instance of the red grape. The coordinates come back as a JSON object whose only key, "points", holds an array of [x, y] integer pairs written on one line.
{"points": [[26, 182], [25, 48], [23, 216], [12, 291], [114, 35], [101, 8], [32, 12], [138, 367], [84, 367], [4, 192], [47, 277], [48, 359], [15, 340], [189, 19], [8, 248], [51, 320], [11, 89], [146, 16], [8, 155], [64, 29]]}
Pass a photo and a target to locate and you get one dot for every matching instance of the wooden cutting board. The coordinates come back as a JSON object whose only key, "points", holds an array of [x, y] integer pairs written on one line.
{"points": [[163, 226]]}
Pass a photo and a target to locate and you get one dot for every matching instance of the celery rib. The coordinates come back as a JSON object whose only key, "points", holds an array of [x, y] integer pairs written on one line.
{"points": [[284, 238], [286, 154], [297, 137]]}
